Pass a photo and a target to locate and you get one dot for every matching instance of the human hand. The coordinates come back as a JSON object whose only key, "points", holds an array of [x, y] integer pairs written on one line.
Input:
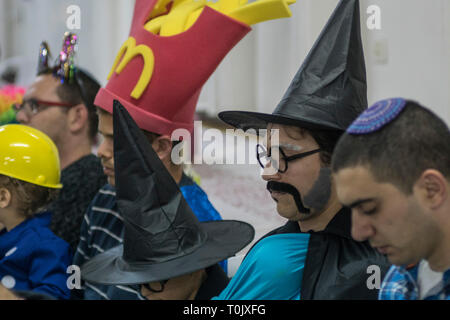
{"points": [[6, 294]]}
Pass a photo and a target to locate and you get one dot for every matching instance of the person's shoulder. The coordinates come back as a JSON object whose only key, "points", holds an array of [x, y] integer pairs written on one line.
{"points": [[397, 274], [41, 237], [364, 251], [288, 227], [86, 164], [102, 211], [92, 165], [105, 196], [398, 284], [86, 169], [189, 188], [198, 200], [107, 189]]}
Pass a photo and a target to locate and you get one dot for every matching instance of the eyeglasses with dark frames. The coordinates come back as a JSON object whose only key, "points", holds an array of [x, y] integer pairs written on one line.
{"points": [[159, 289], [277, 158]]}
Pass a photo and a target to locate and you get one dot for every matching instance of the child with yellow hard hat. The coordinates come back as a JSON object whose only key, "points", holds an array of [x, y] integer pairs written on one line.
{"points": [[32, 258]]}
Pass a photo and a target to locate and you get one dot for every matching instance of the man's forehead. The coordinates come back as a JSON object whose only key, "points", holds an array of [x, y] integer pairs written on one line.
{"points": [[345, 175], [290, 130], [105, 123], [46, 80], [43, 85], [287, 137], [355, 183]]}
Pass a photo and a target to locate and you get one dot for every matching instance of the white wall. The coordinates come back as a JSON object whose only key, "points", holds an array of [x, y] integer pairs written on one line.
{"points": [[416, 66], [256, 73], [104, 26], [417, 34]]}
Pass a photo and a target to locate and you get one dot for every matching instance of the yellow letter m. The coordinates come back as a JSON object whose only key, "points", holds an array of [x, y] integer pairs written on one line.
{"points": [[129, 51]]}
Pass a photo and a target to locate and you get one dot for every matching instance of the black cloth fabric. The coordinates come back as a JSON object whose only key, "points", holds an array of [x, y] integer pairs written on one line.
{"points": [[81, 181], [336, 265], [31, 295], [214, 284]]}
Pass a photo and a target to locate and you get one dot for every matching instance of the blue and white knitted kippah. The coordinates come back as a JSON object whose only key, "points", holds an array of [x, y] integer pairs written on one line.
{"points": [[377, 116]]}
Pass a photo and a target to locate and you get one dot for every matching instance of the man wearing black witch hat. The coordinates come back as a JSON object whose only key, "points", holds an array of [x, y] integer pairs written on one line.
{"points": [[326, 95], [165, 248]]}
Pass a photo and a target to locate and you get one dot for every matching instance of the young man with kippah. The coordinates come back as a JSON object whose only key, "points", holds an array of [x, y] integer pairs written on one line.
{"points": [[392, 169]]}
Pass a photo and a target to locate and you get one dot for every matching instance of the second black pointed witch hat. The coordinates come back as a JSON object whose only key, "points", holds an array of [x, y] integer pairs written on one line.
{"points": [[329, 90], [163, 238]]}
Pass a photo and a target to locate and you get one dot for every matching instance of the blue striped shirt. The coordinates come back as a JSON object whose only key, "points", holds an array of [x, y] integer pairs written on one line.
{"points": [[103, 229]]}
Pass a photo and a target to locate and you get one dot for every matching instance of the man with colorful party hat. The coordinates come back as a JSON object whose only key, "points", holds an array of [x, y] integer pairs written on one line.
{"points": [[172, 50], [59, 103], [325, 96]]}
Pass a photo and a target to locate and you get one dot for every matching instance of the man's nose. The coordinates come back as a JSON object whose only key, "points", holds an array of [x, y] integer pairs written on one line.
{"points": [[103, 150], [362, 229], [22, 117], [270, 173]]}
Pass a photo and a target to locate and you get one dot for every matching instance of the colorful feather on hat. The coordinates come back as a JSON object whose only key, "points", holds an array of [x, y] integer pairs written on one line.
{"points": [[44, 55], [65, 69]]}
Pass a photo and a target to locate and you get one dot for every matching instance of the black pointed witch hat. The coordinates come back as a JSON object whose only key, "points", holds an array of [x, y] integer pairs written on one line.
{"points": [[163, 238], [329, 90]]}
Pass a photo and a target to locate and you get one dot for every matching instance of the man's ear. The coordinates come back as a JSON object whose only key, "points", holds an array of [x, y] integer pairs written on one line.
{"points": [[163, 147], [77, 117], [432, 188], [5, 197]]}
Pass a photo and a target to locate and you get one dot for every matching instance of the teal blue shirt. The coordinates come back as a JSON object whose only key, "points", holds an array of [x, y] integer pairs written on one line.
{"points": [[272, 270]]}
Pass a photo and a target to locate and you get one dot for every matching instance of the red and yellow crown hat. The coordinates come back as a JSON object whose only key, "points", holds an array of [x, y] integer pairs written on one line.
{"points": [[173, 48]]}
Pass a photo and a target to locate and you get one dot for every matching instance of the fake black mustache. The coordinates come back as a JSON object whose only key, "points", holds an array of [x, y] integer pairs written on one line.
{"points": [[287, 188]]}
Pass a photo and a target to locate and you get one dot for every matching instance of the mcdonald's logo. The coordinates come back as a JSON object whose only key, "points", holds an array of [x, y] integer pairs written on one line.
{"points": [[129, 51]]}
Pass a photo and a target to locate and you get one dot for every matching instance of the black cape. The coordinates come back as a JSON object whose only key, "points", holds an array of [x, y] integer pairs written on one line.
{"points": [[336, 265]]}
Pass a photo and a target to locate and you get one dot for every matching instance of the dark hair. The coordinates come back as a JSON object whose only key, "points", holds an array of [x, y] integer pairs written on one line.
{"points": [[399, 153], [327, 140], [31, 198], [151, 136], [83, 90]]}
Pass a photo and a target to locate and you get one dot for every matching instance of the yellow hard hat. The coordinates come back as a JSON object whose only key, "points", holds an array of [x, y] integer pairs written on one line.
{"points": [[30, 155]]}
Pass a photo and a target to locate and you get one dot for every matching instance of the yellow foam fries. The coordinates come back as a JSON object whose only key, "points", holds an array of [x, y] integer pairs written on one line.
{"points": [[184, 13]]}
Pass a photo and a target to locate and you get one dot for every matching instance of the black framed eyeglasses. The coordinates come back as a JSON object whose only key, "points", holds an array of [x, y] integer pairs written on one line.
{"points": [[277, 158], [158, 288]]}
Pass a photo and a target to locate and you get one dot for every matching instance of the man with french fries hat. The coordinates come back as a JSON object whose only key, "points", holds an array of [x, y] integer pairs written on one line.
{"points": [[173, 48]]}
